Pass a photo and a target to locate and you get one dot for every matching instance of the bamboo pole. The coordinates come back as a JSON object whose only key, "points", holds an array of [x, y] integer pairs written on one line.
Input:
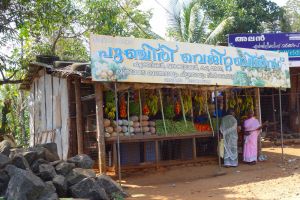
{"points": [[141, 111], [78, 117], [192, 110], [183, 111], [100, 127], [209, 117], [162, 111], [128, 111], [118, 135], [281, 128], [217, 128]]}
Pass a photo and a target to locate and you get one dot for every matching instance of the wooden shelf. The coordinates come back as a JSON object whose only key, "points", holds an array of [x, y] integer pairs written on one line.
{"points": [[90, 115], [143, 138], [90, 131], [88, 97]]}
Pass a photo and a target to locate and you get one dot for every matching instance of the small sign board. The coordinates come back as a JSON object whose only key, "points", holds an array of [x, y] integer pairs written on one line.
{"points": [[280, 42]]}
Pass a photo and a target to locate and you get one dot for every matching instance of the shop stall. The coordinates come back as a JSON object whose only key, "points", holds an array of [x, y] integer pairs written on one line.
{"points": [[147, 103]]}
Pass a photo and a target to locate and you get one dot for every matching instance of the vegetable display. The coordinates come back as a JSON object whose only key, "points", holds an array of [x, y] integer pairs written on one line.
{"points": [[110, 108], [152, 103], [175, 127], [123, 107], [169, 111], [177, 108], [187, 103], [146, 110]]}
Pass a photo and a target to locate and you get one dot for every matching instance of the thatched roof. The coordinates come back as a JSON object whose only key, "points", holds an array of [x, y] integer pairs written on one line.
{"points": [[59, 68]]}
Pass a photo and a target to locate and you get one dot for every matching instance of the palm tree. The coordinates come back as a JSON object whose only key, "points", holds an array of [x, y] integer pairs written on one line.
{"points": [[188, 23]]}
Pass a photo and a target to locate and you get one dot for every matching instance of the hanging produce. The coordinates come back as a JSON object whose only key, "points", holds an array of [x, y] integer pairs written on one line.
{"points": [[146, 110], [187, 103], [201, 101], [110, 108], [123, 108], [152, 103], [247, 104], [177, 108], [169, 111], [134, 108]]}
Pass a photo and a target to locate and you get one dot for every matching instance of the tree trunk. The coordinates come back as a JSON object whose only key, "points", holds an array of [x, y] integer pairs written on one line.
{"points": [[22, 118], [5, 111]]}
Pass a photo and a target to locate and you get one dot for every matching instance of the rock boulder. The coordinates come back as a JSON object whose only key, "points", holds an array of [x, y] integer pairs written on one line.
{"points": [[61, 186], [110, 186], [20, 162], [64, 168], [88, 188], [82, 161], [4, 160], [23, 184], [46, 172], [78, 174]]}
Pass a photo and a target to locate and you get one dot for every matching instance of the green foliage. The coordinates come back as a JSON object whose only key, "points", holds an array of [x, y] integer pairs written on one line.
{"points": [[292, 14], [17, 115], [250, 16], [209, 21], [57, 27], [187, 22], [116, 196]]}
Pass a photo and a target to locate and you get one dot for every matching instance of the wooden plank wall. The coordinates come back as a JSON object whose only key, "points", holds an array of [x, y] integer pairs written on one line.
{"points": [[48, 101]]}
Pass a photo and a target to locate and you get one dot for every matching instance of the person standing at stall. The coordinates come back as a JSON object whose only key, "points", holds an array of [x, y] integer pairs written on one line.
{"points": [[228, 129], [252, 129]]}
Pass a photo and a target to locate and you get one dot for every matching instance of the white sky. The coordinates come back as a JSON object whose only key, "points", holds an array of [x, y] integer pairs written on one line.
{"points": [[160, 19]]}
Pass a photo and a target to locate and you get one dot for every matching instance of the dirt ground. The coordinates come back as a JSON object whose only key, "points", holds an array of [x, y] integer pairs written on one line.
{"points": [[267, 180]]}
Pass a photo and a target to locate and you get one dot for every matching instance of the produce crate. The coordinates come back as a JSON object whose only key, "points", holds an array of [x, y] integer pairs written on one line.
{"points": [[130, 153]]}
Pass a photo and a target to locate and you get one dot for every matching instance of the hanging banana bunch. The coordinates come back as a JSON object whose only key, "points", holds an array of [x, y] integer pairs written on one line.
{"points": [[201, 100]]}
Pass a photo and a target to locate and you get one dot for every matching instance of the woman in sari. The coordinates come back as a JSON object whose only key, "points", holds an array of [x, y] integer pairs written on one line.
{"points": [[228, 129], [252, 130]]}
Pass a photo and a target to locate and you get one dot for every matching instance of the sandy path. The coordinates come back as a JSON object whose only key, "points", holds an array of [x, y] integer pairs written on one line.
{"points": [[266, 180]]}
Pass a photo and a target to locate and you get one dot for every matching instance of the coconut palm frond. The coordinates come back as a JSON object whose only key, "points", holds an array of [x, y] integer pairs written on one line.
{"points": [[175, 23], [197, 25], [212, 38]]}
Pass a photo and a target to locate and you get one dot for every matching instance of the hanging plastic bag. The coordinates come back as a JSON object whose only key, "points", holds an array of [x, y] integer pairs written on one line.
{"points": [[221, 148]]}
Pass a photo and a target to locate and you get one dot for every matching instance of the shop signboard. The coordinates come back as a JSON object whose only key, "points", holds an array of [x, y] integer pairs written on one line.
{"points": [[280, 42], [156, 61]]}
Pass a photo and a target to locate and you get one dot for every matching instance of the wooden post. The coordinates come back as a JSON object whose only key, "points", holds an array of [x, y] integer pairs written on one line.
{"points": [[192, 108], [194, 148], [273, 107], [257, 104], [162, 111], [182, 108], [156, 154], [100, 127], [258, 114], [78, 117], [115, 157]]}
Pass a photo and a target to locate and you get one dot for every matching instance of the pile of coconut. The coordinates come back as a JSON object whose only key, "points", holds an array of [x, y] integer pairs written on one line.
{"points": [[134, 126]]}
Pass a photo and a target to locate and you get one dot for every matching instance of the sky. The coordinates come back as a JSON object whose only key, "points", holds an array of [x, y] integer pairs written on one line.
{"points": [[160, 18]]}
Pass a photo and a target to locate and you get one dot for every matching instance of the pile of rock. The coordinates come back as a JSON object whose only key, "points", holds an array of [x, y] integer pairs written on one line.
{"points": [[38, 173]]}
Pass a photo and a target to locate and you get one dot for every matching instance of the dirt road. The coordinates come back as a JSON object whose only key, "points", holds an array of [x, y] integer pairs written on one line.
{"points": [[266, 180]]}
